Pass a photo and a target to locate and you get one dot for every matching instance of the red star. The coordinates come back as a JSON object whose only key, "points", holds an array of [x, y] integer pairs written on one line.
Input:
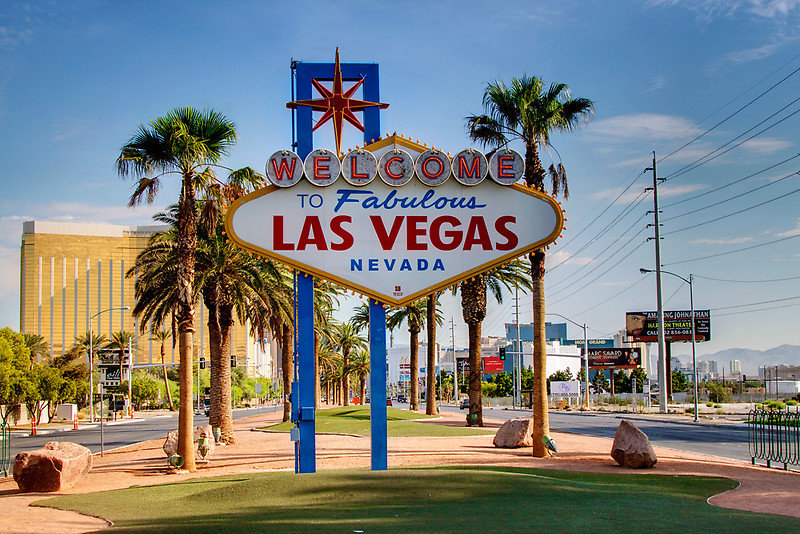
{"points": [[337, 104]]}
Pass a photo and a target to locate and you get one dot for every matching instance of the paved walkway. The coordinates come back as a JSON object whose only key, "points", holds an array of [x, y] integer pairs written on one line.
{"points": [[761, 490]]}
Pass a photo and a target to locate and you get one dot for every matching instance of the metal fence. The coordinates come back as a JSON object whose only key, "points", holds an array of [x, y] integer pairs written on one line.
{"points": [[774, 436], [5, 449]]}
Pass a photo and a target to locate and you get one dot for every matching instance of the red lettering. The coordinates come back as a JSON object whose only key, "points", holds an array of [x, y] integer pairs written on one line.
{"points": [[414, 232], [511, 237], [311, 234], [470, 172], [347, 237], [477, 234], [353, 172], [453, 235], [390, 173], [503, 166], [284, 168], [318, 166], [277, 234], [439, 169], [386, 239]]}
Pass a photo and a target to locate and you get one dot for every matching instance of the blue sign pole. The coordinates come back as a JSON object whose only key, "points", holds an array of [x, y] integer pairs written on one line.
{"points": [[377, 384], [305, 448]]}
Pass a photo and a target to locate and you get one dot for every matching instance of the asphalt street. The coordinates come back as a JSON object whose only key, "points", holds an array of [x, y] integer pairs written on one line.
{"points": [[119, 434], [728, 439]]}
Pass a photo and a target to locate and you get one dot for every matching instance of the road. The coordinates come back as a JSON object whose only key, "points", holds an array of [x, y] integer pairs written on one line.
{"points": [[120, 434], [727, 440]]}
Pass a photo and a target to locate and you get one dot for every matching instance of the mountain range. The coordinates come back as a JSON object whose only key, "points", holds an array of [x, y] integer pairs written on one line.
{"points": [[751, 359]]}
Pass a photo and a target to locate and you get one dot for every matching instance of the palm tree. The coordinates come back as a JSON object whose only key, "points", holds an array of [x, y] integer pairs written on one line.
{"points": [[360, 318], [36, 345], [347, 339], [359, 367], [183, 142], [473, 309], [162, 336], [413, 315], [122, 340], [528, 111], [327, 364], [432, 318]]}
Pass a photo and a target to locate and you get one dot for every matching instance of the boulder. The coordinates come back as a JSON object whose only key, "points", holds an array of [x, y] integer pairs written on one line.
{"points": [[56, 466], [171, 443], [632, 448], [515, 433]]}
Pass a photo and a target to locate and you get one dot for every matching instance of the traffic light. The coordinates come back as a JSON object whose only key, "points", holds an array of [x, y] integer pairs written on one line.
{"points": [[502, 353], [202, 362], [233, 361]]}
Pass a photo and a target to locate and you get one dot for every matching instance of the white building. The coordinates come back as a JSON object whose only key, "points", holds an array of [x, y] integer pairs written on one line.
{"points": [[783, 387]]}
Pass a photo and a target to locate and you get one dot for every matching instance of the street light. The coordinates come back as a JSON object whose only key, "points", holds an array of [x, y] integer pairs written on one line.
{"points": [[691, 307], [585, 354], [91, 360]]}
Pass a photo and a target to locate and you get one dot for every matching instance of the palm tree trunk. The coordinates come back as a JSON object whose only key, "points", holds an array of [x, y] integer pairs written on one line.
{"points": [[363, 389], [475, 415], [430, 395], [541, 424], [317, 384], [288, 371], [344, 379], [186, 245], [215, 355], [414, 364], [166, 381], [224, 379]]}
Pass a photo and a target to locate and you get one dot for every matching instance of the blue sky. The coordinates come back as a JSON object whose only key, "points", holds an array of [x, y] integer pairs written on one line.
{"points": [[77, 78]]}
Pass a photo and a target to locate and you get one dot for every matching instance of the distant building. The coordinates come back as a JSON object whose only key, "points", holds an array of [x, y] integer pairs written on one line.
{"points": [[736, 367], [552, 332]]}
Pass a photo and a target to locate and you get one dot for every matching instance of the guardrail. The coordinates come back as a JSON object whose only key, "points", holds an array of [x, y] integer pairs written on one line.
{"points": [[5, 449], [774, 436]]}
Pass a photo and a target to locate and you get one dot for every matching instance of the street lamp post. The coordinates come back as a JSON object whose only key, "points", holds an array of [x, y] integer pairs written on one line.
{"points": [[694, 341], [585, 355], [91, 360]]}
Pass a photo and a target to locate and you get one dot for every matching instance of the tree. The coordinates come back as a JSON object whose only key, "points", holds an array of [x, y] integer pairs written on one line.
{"points": [[413, 315], [433, 318], [600, 382], [37, 346], [505, 386], [44, 383], [144, 389], [162, 336], [183, 142], [639, 376], [347, 339], [622, 383], [559, 376], [530, 112], [679, 381], [121, 341], [359, 366]]}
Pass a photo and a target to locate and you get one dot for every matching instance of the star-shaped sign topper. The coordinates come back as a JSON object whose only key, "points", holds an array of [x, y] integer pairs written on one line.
{"points": [[337, 104]]}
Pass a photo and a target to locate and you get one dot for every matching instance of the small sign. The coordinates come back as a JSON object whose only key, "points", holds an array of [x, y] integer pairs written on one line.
{"points": [[569, 387], [258, 388]]}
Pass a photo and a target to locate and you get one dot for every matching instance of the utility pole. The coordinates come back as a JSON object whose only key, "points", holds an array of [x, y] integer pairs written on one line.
{"points": [[455, 361], [518, 357], [662, 363]]}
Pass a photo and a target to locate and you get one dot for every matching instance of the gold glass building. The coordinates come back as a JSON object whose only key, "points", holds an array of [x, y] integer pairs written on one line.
{"points": [[71, 271]]}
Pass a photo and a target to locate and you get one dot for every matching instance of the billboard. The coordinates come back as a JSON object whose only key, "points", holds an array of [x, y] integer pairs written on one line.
{"points": [[621, 358], [492, 364], [643, 326], [593, 343]]}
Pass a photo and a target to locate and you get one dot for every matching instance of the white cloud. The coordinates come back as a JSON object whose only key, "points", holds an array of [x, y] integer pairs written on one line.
{"points": [[678, 190], [644, 126], [633, 195], [9, 272], [773, 9], [559, 256], [655, 83], [729, 241], [766, 145], [11, 38], [790, 233]]}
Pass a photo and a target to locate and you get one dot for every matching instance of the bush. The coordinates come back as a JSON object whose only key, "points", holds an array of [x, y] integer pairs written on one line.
{"points": [[791, 402], [775, 405], [717, 406], [709, 404], [689, 410], [718, 393]]}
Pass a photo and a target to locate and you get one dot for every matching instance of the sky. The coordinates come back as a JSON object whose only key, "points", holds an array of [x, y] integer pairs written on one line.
{"points": [[709, 85]]}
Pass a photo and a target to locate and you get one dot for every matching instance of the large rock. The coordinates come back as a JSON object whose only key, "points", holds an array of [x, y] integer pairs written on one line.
{"points": [[171, 443], [632, 448], [56, 466], [515, 433]]}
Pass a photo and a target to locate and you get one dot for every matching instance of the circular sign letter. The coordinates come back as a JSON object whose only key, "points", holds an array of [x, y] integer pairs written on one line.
{"points": [[470, 167], [506, 166], [322, 167], [433, 167], [284, 168], [396, 167], [359, 167]]}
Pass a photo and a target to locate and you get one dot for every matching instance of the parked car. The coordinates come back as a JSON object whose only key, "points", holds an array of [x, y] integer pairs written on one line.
{"points": [[401, 398], [389, 402], [464, 404]]}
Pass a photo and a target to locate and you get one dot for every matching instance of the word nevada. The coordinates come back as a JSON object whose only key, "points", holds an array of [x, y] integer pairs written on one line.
{"points": [[396, 167]]}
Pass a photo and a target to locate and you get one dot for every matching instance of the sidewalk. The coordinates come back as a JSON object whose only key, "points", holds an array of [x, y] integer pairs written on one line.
{"points": [[761, 489]]}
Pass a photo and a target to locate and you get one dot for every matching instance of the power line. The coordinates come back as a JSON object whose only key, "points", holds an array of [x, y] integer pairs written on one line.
{"points": [[779, 197], [733, 251], [615, 295], [747, 281], [755, 303], [742, 108], [704, 193], [758, 310], [707, 206]]}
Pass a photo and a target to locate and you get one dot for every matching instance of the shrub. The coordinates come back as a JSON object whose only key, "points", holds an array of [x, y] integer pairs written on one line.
{"points": [[718, 393], [709, 404], [689, 410], [791, 402], [717, 406]]}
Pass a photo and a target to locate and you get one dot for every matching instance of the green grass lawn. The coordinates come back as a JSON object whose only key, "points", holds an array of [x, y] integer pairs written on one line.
{"points": [[467, 499], [355, 420]]}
